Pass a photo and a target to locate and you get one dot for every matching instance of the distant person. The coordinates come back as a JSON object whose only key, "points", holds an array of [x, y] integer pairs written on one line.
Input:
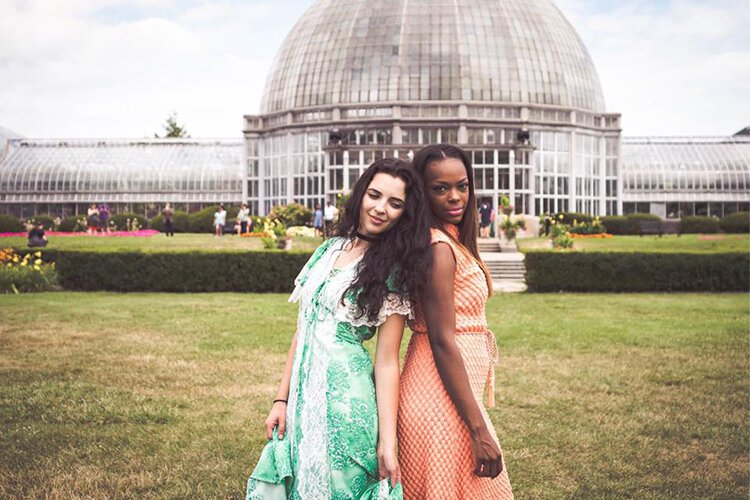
{"points": [[37, 237], [243, 217], [92, 219], [485, 219], [104, 218], [318, 220], [168, 215], [220, 218], [328, 215]]}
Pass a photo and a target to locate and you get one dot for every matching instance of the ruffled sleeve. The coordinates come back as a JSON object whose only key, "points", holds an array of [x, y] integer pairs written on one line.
{"points": [[301, 279], [348, 312]]}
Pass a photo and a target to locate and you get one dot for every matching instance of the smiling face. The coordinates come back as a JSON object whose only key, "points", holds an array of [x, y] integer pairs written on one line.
{"points": [[447, 190], [382, 204]]}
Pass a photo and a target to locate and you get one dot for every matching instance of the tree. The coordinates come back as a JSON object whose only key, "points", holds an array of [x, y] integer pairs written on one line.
{"points": [[172, 129]]}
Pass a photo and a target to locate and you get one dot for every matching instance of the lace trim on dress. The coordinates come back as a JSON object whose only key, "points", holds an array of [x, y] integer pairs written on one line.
{"points": [[391, 305]]}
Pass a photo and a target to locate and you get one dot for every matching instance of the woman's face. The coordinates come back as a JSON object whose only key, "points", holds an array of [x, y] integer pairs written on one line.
{"points": [[447, 190], [382, 205]]}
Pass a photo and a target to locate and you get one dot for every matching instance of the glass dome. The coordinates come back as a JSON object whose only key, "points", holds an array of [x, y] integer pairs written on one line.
{"points": [[359, 51]]}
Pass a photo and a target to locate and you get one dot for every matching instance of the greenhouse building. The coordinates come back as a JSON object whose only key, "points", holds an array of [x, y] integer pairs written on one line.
{"points": [[354, 81]]}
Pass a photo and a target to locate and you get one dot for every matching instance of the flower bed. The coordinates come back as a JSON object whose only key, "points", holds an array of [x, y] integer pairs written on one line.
{"points": [[25, 273], [260, 234], [590, 236], [142, 233]]}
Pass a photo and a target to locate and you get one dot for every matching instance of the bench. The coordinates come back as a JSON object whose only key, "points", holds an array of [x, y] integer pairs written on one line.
{"points": [[659, 227]]}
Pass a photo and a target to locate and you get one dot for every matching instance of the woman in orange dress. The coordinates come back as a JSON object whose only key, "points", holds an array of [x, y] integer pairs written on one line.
{"points": [[448, 448]]}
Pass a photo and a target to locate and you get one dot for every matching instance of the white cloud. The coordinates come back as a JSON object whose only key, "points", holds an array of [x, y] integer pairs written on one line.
{"points": [[671, 67], [116, 68]]}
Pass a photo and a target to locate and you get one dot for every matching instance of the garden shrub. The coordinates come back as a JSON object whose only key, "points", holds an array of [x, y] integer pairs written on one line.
{"points": [[46, 220], [120, 221], [203, 221], [636, 272], [72, 224], [569, 217], [254, 271], [615, 224], [180, 222], [628, 224], [594, 226], [738, 222], [10, 224], [293, 214], [698, 224], [24, 273]]}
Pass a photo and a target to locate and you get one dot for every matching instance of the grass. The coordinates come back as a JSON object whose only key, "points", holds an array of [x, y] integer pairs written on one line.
{"points": [[158, 243], [690, 243], [163, 396], [207, 242]]}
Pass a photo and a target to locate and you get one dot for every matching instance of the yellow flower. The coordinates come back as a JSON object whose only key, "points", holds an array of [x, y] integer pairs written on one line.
{"points": [[38, 262], [38, 254], [560, 216], [15, 258], [37, 268], [24, 262]]}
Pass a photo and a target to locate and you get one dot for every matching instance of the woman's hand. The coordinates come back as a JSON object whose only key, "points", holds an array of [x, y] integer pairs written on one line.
{"points": [[388, 465], [276, 418], [487, 455]]}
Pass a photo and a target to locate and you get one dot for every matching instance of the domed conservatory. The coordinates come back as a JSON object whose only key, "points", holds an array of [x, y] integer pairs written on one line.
{"points": [[510, 81]]}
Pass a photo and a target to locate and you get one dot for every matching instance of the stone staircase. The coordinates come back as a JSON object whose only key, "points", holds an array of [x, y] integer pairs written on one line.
{"points": [[505, 264], [488, 245]]}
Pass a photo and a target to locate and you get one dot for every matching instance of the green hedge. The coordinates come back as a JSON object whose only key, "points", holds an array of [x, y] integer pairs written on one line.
{"points": [[637, 272], [203, 221], [10, 224], [738, 222], [698, 224], [628, 224], [180, 222], [258, 272], [71, 224]]}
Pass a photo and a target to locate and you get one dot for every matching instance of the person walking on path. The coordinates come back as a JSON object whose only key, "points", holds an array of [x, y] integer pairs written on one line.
{"points": [[485, 220], [448, 446], [168, 215], [332, 426], [318, 220], [220, 219], [329, 214]]}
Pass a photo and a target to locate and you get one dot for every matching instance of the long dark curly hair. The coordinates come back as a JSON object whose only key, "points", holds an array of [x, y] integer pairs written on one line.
{"points": [[400, 259], [468, 228]]}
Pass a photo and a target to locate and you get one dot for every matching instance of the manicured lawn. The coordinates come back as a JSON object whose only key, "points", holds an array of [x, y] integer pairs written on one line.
{"points": [[699, 243], [158, 243], [163, 396]]}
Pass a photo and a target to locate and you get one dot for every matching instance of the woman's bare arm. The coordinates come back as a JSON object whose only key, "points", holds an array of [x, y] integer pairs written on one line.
{"points": [[277, 415], [387, 376], [438, 305]]}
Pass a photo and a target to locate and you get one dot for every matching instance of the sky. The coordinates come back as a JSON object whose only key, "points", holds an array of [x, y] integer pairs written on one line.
{"points": [[118, 68]]}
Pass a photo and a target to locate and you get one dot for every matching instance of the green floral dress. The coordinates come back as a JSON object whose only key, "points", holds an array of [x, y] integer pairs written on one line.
{"points": [[329, 447]]}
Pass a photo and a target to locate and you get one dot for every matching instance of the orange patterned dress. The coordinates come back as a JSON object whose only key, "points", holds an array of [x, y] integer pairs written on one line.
{"points": [[434, 444]]}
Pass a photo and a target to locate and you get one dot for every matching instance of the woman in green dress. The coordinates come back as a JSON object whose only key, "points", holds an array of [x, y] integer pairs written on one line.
{"points": [[332, 426]]}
